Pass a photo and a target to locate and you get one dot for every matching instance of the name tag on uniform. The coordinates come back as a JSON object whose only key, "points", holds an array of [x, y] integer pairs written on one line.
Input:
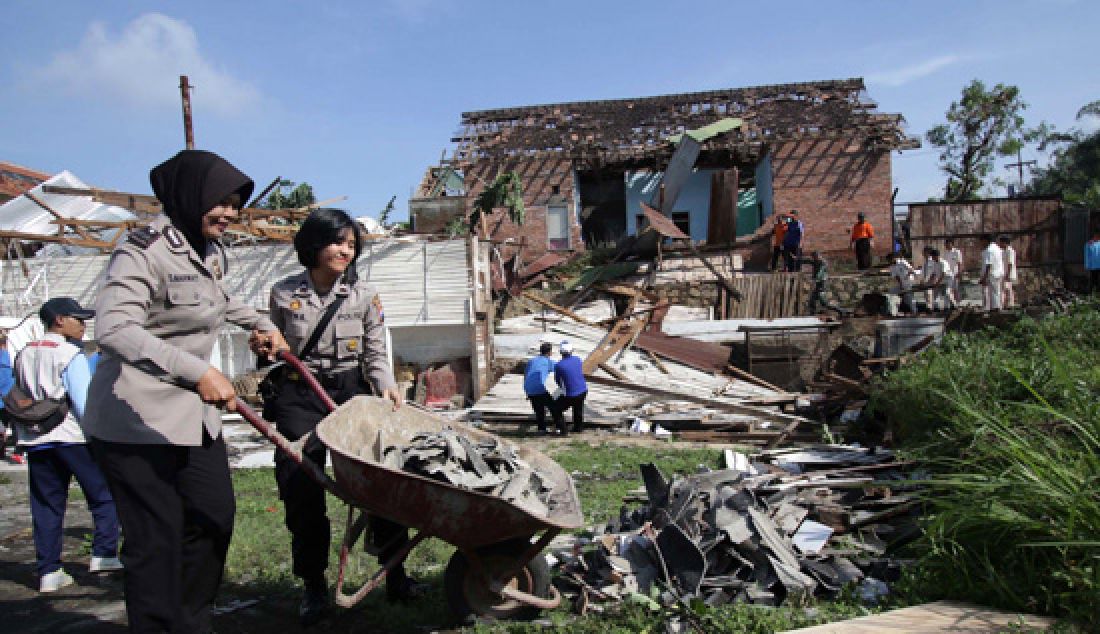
{"points": [[178, 277], [358, 315]]}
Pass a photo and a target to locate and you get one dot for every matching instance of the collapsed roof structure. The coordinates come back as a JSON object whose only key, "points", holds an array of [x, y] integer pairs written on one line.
{"points": [[586, 167]]}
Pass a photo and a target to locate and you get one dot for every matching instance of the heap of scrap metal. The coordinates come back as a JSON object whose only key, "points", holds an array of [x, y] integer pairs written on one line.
{"points": [[488, 466], [804, 524]]}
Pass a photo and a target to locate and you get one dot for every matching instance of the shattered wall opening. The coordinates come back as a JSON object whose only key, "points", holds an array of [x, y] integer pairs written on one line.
{"points": [[602, 207]]}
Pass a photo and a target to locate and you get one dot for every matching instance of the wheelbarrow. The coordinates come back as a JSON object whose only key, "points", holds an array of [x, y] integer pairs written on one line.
{"points": [[497, 569]]}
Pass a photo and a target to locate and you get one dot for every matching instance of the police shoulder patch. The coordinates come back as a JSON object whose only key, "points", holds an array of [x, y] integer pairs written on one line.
{"points": [[174, 237], [143, 237]]}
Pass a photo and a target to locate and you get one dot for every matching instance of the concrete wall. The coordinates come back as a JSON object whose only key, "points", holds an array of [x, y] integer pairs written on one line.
{"points": [[828, 182], [431, 344]]}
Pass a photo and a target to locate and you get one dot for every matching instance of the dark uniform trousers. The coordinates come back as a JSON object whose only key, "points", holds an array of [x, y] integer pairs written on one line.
{"points": [[576, 404], [863, 253], [176, 506], [296, 411]]}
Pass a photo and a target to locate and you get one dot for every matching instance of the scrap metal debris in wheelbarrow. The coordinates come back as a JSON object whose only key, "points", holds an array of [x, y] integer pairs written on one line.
{"points": [[488, 466], [786, 526]]}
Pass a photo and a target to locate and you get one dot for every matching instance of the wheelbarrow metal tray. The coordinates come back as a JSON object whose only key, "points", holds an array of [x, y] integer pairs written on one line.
{"points": [[467, 519]]}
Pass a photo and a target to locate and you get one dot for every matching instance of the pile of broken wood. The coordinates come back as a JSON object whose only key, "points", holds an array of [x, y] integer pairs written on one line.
{"points": [[783, 526]]}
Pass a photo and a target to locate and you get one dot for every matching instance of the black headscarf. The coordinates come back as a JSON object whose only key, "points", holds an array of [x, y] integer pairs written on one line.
{"points": [[190, 184]]}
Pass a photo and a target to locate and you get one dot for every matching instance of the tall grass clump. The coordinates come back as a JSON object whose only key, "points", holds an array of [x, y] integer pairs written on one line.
{"points": [[1008, 425]]}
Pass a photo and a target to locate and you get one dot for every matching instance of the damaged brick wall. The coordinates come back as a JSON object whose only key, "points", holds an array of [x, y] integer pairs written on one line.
{"points": [[546, 180], [829, 181]]}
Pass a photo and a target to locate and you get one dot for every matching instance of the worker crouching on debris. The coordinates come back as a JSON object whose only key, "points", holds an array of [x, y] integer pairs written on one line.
{"points": [[821, 282], [150, 413], [569, 373], [334, 322], [534, 386]]}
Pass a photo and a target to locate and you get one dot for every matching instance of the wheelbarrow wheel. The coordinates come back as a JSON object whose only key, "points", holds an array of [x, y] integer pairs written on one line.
{"points": [[468, 593]]}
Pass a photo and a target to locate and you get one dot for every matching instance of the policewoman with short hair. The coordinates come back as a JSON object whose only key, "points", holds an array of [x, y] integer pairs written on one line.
{"points": [[334, 322], [151, 416]]}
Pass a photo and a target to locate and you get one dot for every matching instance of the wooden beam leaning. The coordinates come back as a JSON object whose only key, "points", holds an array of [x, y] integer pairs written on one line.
{"points": [[60, 219], [40, 237]]}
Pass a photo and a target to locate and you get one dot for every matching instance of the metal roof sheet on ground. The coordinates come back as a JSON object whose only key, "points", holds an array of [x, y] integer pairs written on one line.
{"points": [[411, 298], [507, 396], [23, 214]]}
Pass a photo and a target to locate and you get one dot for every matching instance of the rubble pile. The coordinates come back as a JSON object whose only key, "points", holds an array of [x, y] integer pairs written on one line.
{"points": [[487, 466], [796, 524]]}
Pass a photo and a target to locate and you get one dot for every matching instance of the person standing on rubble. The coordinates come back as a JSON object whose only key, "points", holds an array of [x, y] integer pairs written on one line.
{"points": [[1092, 261], [1008, 292], [901, 273], [153, 427], [779, 231], [334, 322], [821, 281], [534, 386], [992, 276], [953, 270], [792, 242], [569, 374], [863, 241]]}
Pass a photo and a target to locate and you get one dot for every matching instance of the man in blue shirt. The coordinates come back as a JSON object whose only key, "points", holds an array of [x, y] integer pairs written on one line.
{"points": [[7, 380], [792, 242], [569, 373], [1092, 261], [534, 385]]}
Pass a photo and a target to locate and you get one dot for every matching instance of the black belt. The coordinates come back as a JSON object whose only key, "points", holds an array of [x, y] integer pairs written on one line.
{"points": [[329, 380]]}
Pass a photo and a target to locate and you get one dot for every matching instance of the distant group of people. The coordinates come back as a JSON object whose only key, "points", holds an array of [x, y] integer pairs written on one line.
{"points": [[569, 393], [940, 274]]}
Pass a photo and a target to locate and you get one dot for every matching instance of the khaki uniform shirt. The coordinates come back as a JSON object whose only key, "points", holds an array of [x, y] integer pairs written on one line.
{"points": [[356, 336], [158, 315]]}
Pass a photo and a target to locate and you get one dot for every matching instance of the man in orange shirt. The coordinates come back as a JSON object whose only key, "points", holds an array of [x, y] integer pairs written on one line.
{"points": [[778, 232], [863, 241]]}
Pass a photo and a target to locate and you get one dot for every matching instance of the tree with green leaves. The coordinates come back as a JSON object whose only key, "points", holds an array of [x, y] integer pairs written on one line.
{"points": [[1074, 169], [506, 190], [287, 195], [982, 124]]}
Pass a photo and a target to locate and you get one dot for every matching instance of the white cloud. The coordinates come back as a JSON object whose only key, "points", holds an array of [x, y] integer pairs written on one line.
{"points": [[141, 65], [906, 74]]}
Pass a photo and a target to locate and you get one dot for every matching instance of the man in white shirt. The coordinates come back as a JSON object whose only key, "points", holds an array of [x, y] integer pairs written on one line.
{"points": [[953, 258], [934, 276], [901, 273], [992, 277], [54, 367], [1008, 293]]}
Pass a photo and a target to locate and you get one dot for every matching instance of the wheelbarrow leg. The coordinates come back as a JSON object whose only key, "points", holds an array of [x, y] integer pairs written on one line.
{"points": [[354, 530]]}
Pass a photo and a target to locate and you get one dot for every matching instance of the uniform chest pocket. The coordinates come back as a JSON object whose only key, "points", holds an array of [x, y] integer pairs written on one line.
{"points": [[349, 338], [184, 294]]}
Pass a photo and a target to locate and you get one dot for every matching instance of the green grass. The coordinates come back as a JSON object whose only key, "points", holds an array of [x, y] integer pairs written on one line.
{"points": [[259, 557], [1009, 425]]}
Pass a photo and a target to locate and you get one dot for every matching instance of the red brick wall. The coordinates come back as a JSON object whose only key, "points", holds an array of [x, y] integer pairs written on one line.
{"points": [[539, 176], [828, 182]]}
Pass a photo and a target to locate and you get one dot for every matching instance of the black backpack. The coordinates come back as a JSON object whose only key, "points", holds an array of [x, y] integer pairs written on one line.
{"points": [[37, 416]]}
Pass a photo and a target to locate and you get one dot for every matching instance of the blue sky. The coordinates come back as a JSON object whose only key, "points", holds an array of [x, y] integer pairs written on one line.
{"points": [[358, 98]]}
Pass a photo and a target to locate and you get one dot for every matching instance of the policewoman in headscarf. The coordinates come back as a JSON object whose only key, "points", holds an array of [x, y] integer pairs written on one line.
{"points": [[152, 414], [341, 320]]}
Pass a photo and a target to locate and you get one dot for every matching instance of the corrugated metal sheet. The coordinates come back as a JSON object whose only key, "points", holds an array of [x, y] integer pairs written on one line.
{"points": [[23, 214]]}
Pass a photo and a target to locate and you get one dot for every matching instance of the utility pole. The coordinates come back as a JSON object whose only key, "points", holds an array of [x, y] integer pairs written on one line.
{"points": [[185, 95], [1019, 165]]}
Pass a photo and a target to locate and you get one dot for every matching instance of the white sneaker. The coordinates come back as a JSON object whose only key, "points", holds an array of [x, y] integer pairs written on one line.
{"points": [[54, 581], [104, 564]]}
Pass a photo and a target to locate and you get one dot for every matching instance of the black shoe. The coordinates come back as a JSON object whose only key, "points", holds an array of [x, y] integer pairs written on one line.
{"points": [[315, 602], [405, 588], [543, 432]]}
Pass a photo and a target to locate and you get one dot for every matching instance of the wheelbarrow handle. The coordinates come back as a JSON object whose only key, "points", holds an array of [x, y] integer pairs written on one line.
{"points": [[292, 450], [307, 376]]}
